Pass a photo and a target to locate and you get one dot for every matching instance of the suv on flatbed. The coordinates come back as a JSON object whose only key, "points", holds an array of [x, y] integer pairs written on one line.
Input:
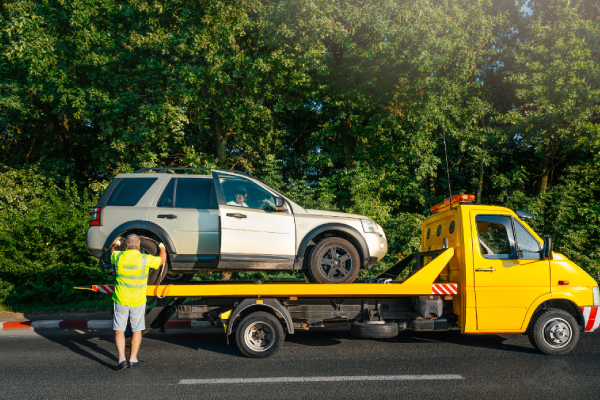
{"points": [[230, 221]]}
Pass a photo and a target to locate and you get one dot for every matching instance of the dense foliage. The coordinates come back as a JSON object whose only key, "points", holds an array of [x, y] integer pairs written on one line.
{"points": [[339, 104]]}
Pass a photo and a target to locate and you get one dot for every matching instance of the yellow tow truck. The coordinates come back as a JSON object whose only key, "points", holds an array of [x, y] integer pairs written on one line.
{"points": [[481, 269]]}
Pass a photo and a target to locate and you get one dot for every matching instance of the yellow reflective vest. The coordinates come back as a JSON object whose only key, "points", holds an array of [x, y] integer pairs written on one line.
{"points": [[132, 276]]}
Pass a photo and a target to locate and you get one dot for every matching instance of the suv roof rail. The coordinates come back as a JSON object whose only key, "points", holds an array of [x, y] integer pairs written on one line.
{"points": [[170, 169]]}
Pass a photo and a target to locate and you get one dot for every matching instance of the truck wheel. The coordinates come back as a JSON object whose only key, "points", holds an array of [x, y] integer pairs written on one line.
{"points": [[149, 246], [374, 331], [259, 334], [334, 260], [554, 331]]}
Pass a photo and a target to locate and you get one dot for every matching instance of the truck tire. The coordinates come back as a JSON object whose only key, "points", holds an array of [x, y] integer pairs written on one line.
{"points": [[374, 331], [149, 246], [554, 332], [259, 335], [333, 260]]}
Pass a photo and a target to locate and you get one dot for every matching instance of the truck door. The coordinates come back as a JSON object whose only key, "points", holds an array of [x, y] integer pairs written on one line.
{"points": [[509, 274], [253, 232]]}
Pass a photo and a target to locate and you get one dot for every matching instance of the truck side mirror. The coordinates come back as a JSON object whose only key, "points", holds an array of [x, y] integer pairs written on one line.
{"points": [[547, 251]]}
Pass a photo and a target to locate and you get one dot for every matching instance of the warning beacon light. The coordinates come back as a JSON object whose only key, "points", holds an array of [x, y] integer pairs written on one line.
{"points": [[459, 198]]}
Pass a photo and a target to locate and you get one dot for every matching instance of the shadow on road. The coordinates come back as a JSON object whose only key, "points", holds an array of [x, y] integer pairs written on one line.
{"points": [[496, 342], [83, 345]]}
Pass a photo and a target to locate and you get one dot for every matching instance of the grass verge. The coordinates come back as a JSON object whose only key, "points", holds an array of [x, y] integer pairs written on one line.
{"points": [[102, 303]]}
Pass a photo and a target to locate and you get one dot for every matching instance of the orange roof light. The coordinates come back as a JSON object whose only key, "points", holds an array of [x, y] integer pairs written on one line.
{"points": [[459, 198]]}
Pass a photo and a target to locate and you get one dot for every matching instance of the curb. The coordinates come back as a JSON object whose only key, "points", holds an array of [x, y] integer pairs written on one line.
{"points": [[106, 324]]}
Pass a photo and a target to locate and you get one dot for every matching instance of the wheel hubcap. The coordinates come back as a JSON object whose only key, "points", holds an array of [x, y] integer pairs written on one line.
{"points": [[259, 336], [557, 332], [335, 263]]}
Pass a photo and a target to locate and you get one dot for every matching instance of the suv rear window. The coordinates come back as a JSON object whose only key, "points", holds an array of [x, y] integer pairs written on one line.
{"points": [[129, 191]]}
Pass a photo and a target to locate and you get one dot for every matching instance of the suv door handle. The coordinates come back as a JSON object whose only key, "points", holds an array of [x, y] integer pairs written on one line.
{"points": [[167, 216], [236, 215], [485, 269]]}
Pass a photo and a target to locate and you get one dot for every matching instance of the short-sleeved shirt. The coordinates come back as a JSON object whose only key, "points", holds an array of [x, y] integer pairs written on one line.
{"points": [[132, 276]]}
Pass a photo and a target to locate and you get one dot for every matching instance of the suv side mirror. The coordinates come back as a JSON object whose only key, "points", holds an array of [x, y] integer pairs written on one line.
{"points": [[547, 250], [279, 204]]}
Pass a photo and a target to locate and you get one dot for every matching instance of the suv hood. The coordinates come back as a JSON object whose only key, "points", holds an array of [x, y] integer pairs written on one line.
{"points": [[335, 214]]}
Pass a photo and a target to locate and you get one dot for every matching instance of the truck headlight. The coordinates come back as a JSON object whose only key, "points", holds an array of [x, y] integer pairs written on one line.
{"points": [[596, 292]]}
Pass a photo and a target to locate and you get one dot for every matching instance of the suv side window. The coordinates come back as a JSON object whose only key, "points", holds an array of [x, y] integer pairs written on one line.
{"points": [[129, 191], [189, 193], [242, 192], [496, 239], [529, 247]]}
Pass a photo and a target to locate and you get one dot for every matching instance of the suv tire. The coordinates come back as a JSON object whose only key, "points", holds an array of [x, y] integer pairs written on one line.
{"points": [[333, 260], [177, 279], [149, 246]]}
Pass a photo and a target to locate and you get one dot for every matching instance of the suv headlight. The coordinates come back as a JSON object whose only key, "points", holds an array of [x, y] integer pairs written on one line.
{"points": [[596, 292], [368, 226], [372, 227]]}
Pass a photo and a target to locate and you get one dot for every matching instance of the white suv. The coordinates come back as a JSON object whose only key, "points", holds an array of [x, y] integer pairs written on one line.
{"points": [[229, 221]]}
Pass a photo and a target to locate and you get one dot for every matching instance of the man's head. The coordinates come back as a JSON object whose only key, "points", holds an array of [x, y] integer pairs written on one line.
{"points": [[240, 194], [133, 242]]}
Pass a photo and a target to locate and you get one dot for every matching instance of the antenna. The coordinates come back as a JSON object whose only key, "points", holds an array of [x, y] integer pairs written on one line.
{"points": [[446, 153]]}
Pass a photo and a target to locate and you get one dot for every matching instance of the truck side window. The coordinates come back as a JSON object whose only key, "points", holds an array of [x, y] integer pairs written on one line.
{"points": [[496, 239], [527, 245]]}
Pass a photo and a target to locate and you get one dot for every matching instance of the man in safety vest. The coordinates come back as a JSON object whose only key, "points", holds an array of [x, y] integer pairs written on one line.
{"points": [[130, 294]]}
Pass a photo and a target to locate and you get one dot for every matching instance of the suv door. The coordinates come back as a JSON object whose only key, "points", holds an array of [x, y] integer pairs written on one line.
{"points": [[253, 232], [508, 278], [187, 210]]}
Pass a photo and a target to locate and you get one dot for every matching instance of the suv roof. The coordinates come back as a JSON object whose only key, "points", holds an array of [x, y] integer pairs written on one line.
{"points": [[168, 171]]}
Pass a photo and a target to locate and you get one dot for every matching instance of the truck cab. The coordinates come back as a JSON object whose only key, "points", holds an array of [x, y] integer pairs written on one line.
{"points": [[507, 275]]}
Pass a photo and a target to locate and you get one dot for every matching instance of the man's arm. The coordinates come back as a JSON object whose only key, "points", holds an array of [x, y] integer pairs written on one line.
{"points": [[163, 253]]}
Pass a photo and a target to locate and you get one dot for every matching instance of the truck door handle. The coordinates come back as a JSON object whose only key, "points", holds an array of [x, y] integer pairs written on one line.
{"points": [[236, 215], [485, 269], [167, 216]]}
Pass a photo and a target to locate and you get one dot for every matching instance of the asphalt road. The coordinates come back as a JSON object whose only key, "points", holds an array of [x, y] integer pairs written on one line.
{"points": [[187, 364]]}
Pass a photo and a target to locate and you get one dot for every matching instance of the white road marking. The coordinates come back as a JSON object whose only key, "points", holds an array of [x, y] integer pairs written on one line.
{"points": [[287, 379]]}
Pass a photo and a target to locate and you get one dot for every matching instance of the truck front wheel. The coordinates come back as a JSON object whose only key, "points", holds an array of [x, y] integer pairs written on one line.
{"points": [[554, 332], [259, 334]]}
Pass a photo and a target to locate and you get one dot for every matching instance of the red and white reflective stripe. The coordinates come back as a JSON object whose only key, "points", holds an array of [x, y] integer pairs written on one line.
{"points": [[591, 318], [108, 289], [445, 289]]}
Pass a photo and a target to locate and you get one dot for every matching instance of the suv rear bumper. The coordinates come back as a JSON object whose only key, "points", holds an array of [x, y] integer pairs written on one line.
{"points": [[95, 240]]}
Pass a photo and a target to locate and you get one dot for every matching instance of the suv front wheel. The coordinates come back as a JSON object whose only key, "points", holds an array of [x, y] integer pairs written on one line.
{"points": [[334, 260]]}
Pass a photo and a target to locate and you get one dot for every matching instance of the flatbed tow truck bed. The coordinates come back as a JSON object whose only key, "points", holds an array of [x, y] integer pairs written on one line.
{"points": [[262, 309]]}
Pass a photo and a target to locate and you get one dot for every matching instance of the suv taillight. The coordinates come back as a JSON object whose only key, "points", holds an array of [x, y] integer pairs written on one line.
{"points": [[96, 216]]}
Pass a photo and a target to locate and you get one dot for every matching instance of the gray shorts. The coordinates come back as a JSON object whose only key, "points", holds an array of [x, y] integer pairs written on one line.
{"points": [[134, 314]]}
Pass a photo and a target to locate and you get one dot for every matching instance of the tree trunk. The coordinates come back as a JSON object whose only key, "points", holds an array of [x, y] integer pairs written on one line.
{"points": [[219, 138], [349, 144], [480, 184], [431, 187]]}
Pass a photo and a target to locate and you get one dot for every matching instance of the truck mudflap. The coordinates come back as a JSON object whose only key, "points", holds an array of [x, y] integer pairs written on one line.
{"points": [[591, 319]]}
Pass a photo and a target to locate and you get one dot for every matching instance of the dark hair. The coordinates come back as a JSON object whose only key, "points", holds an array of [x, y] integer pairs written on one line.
{"points": [[240, 189]]}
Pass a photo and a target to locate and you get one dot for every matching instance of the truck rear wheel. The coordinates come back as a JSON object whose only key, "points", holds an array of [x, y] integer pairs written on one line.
{"points": [[334, 260], [259, 334], [374, 330], [554, 332]]}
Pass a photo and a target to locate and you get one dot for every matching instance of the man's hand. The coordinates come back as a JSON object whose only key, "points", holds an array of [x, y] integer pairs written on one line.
{"points": [[163, 253], [115, 247]]}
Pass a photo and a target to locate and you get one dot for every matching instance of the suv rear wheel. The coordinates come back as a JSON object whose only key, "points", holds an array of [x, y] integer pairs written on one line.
{"points": [[334, 260], [149, 246]]}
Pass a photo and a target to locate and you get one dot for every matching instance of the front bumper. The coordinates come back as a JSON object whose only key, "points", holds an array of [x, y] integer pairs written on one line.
{"points": [[591, 318]]}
